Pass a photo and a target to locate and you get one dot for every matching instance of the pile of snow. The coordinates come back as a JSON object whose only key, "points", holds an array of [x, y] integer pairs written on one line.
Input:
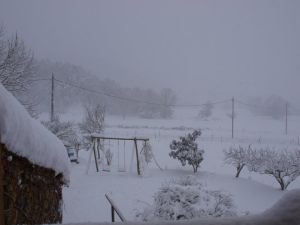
{"points": [[26, 137], [284, 212]]}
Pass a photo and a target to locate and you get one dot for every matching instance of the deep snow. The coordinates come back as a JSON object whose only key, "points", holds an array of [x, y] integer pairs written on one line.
{"points": [[84, 200]]}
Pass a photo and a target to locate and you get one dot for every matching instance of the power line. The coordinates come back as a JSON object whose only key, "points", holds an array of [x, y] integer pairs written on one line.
{"points": [[247, 104], [135, 100], [202, 104]]}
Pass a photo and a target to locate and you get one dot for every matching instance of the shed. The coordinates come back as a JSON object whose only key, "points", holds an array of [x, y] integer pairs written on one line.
{"points": [[34, 166]]}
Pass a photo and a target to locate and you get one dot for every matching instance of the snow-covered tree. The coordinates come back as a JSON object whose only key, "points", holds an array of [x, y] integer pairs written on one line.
{"points": [[186, 150], [94, 119], [167, 98], [17, 70], [65, 131], [93, 123], [185, 199], [206, 111], [284, 166], [238, 156]]}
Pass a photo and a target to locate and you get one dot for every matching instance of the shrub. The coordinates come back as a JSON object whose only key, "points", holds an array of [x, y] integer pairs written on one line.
{"points": [[184, 199], [186, 150]]}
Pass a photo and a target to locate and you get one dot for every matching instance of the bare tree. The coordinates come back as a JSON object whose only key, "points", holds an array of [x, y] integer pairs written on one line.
{"points": [[168, 98], [65, 131], [238, 157], [17, 70], [94, 119], [284, 166], [92, 123], [206, 110]]}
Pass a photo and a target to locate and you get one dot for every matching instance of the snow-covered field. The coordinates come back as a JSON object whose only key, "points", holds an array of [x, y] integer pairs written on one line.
{"points": [[84, 199]]}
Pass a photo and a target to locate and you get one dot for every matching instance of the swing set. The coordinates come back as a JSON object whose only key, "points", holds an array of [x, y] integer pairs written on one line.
{"points": [[96, 143]]}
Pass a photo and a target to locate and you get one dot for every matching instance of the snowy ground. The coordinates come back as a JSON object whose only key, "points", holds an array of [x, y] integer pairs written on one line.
{"points": [[84, 199]]}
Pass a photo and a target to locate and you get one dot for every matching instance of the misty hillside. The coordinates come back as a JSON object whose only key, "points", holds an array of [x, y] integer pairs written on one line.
{"points": [[76, 86]]}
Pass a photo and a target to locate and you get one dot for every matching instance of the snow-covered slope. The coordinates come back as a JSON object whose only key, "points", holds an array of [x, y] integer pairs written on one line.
{"points": [[26, 137], [285, 212]]}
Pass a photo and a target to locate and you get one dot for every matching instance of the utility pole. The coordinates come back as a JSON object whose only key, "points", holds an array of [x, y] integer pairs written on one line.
{"points": [[286, 119], [52, 99], [232, 118]]}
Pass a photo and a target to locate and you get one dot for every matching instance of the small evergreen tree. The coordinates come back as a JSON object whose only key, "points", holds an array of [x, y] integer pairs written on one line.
{"points": [[186, 150]]}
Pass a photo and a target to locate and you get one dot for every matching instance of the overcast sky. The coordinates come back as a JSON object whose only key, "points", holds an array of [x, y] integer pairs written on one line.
{"points": [[205, 49]]}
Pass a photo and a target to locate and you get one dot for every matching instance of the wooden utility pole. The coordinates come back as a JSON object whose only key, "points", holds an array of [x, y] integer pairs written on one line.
{"points": [[286, 118], [52, 99], [232, 119]]}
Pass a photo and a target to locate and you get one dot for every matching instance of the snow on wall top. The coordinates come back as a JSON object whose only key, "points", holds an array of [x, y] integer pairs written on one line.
{"points": [[27, 137]]}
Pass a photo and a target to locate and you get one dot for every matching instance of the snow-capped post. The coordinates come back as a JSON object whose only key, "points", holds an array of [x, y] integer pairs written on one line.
{"points": [[186, 150]]}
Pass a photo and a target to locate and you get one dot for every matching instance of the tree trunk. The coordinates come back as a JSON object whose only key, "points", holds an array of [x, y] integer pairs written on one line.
{"points": [[239, 169], [282, 184]]}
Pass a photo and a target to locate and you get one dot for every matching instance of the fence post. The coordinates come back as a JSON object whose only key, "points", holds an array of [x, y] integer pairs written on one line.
{"points": [[112, 214]]}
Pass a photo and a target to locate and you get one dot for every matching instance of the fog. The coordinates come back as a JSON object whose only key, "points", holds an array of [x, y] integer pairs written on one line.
{"points": [[204, 50]]}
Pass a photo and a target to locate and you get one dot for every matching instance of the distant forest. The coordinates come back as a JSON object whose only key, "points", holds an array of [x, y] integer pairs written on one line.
{"points": [[74, 85]]}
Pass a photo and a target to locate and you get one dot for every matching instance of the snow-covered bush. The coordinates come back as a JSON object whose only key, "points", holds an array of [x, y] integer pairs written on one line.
{"points": [[65, 131], [238, 157], [186, 150], [184, 199]]}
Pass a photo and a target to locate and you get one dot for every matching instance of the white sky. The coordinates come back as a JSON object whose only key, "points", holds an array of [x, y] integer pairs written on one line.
{"points": [[202, 49]]}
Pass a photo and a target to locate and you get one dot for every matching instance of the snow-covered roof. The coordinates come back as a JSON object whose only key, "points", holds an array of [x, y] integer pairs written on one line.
{"points": [[27, 137]]}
